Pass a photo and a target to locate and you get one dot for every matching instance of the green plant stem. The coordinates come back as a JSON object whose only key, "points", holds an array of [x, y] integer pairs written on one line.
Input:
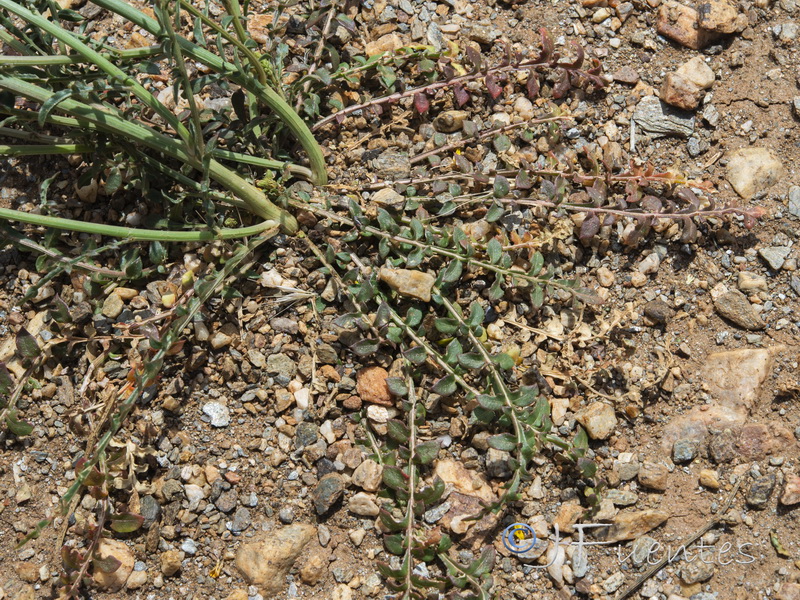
{"points": [[129, 233], [251, 56], [92, 118], [412, 475], [72, 59], [39, 149], [101, 62], [264, 93], [198, 149]]}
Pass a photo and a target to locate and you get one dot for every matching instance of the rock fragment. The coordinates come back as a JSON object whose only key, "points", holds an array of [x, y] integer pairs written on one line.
{"points": [[407, 282], [735, 307], [752, 170], [266, 562], [598, 419]]}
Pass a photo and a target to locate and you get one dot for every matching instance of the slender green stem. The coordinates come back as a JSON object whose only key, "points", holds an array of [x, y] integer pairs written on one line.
{"points": [[72, 59], [39, 149], [264, 93], [130, 233], [198, 148]]}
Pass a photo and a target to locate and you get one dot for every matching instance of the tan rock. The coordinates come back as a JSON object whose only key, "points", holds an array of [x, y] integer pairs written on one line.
{"points": [[735, 377], [791, 490], [463, 480], [568, 515], [372, 387], [171, 562], [368, 475], [266, 562], [788, 591], [136, 580], [450, 120], [315, 565], [709, 478], [680, 92], [680, 23], [598, 419], [386, 43], [631, 525], [406, 282], [364, 505], [654, 476], [751, 170], [698, 72], [113, 582], [720, 16], [237, 595]]}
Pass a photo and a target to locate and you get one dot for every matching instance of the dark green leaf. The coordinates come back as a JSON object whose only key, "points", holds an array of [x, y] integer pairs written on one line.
{"points": [[537, 296], [397, 386], [453, 272], [394, 478], [495, 250], [60, 312], [581, 441], [398, 431], [113, 180], [446, 325], [483, 415], [588, 467], [365, 347], [26, 344], [386, 222], [17, 427], [471, 360], [446, 386], [427, 452], [503, 441], [6, 383], [491, 402], [413, 317], [416, 355], [504, 361], [395, 544], [501, 189], [496, 291], [158, 253], [537, 262], [432, 493], [484, 563], [476, 315], [417, 229]]}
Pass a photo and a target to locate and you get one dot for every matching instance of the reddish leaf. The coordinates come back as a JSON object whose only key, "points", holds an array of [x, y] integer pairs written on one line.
{"points": [[547, 46], [589, 227], [690, 233], [533, 84], [462, 96], [576, 64], [561, 88], [492, 86], [474, 58], [421, 102]]}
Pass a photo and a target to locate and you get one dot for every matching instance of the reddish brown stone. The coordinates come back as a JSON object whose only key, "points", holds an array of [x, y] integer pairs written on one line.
{"points": [[372, 387]]}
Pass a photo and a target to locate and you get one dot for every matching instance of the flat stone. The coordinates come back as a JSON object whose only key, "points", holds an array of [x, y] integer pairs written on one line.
{"points": [[735, 377], [386, 43], [450, 121], [760, 491], [775, 256], [621, 497], [219, 340], [794, 191], [241, 519], [658, 119], [758, 440], [368, 475], [722, 447], [631, 525], [170, 562], [364, 505], [392, 164], [752, 170], [698, 72], [735, 307], [598, 419], [328, 490], [282, 365], [791, 490], [407, 282], [640, 550], [266, 562], [626, 75], [389, 198], [219, 414], [709, 478], [749, 282], [658, 311]]}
